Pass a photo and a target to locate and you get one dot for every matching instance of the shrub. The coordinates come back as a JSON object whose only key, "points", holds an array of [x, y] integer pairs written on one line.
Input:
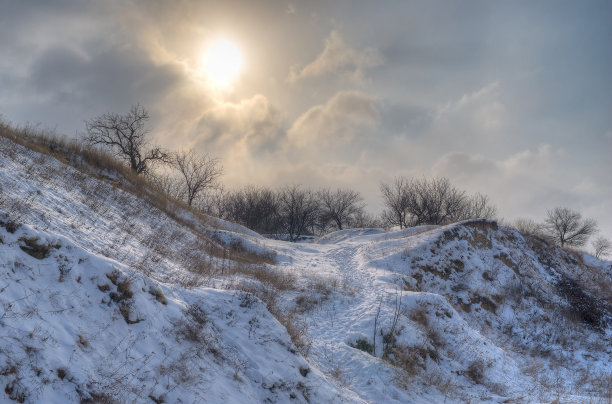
{"points": [[124, 287], [82, 341], [296, 329], [191, 327], [363, 345], [304, 371], [419, 315], [104, 288], [126, 311], [16, 391], [475, 371], [11, 226], [584, 305], [34, 249], [113, 276], [62, 373], [159, 295]]}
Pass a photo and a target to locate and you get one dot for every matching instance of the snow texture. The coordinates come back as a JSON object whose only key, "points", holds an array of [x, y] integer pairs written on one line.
{"points": [[103, 298]]}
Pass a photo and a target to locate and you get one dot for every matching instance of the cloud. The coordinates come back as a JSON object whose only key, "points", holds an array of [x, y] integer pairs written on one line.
{"points": [[344, 118], [478, 114], [540, 164], [291, 9], [249, 126], [62, 86], [523, 184], [337, 58], [465, 166]]}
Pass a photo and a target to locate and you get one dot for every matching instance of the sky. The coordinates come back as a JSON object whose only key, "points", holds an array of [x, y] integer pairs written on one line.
{"points": [[509, 99]]}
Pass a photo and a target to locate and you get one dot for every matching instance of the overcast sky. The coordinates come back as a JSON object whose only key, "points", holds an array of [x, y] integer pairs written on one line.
{"points": [[511, 99]]}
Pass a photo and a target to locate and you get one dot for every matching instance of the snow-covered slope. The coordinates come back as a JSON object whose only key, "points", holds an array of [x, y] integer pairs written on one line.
{"points": [[103, 299], [475, 310], [105, 296], [81, 327]]}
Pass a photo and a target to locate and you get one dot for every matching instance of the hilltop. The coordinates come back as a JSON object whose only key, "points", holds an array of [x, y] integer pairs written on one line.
{"points": [[112, 292]]}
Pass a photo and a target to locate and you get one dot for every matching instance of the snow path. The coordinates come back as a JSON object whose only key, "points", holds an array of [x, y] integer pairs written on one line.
{"points": [[349, 314]]}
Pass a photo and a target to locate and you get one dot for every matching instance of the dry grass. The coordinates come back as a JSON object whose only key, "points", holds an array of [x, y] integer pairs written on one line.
{"points": [[34, 248], [411, 359], [270, 277], [475, 371], [192, 326], [419, 315], [271, 283], [296, 328], [159, 295], [99, 164]]}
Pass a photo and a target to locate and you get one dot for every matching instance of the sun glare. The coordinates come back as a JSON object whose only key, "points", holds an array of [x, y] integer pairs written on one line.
{"points": [[222, 62]]}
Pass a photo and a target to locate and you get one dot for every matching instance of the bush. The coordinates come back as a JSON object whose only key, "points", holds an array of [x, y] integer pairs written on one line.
{"points": [[363, 345], [475, 371], [35, 249], [11, 226], [159, 295]]}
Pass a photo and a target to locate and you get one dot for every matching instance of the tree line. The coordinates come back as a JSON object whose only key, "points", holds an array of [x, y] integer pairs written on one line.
{"points": [[294, 211]]}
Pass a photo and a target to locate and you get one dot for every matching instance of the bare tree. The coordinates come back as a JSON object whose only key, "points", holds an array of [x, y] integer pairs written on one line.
{"points": [[602, 246], [199, 172], [567, 227], [434, 201], [254, 207], [528, 226], [396, 200], [213, 202], [340, 207], [168, 183], [127, 136], [478, 206], [298, 209], [365, 220], [411, 202]]}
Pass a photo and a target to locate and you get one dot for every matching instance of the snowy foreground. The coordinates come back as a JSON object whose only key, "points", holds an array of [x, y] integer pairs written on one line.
{"points": [[105, 298]]}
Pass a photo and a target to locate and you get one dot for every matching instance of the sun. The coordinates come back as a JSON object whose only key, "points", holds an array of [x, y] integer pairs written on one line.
{"points": [[222, 62]]}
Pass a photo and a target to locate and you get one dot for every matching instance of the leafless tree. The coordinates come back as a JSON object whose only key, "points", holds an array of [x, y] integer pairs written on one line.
{"points": [[567, 227], [602, 246], [213, 202], [254, 207], [340, 207], [199, 172], [395, 197], [412, 202], [434, 201], [127, 136], [365, 220], [528, 226], [298, 210], [168, 183], [478, 206]]}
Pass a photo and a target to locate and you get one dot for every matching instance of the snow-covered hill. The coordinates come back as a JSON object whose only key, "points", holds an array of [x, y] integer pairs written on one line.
{"points": [[107, 296]]}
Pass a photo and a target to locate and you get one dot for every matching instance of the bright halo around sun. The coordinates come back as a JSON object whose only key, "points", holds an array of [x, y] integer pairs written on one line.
{"points": [[222, 62]]}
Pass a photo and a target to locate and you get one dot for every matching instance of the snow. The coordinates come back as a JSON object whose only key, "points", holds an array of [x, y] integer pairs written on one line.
{"points": [[121, 306]]}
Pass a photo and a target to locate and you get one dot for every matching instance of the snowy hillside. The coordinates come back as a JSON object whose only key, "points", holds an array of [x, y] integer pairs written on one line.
{"points": [[110, 295]]}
